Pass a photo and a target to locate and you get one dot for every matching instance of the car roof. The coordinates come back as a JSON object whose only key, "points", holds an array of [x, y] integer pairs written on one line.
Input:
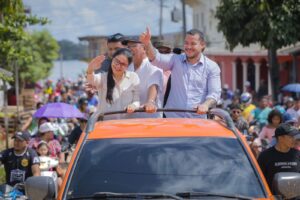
{"points": [[159, 127]]}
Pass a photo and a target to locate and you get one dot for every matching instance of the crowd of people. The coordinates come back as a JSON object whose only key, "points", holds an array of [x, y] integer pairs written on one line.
{"points": [[135, 74]]}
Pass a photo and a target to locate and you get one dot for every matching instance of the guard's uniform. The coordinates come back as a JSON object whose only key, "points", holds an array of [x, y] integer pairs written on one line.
{"points": [[18, 167]]}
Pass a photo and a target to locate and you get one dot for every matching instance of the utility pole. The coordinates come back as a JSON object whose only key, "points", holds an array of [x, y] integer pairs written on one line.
{"points": [[160, 19], [17, 91], [61, 66], [5, 94], [183, 18]]}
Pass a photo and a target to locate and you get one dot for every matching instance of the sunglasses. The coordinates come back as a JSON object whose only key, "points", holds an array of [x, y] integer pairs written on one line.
{"points": [[115, 38]]}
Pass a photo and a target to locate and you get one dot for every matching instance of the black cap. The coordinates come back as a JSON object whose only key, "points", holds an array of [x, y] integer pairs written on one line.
{"points": [[134, 39], [118, 37], [286, 129], [22, 135], [178, 50], [162, 44]]}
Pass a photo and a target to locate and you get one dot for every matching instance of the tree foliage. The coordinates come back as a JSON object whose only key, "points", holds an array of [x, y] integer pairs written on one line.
{"points": [[43, 50], [13, 34], [271, 23]]}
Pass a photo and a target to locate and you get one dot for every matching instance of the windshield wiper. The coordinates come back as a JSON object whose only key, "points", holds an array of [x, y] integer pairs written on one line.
{"points": [[111, 195], [205, 194]]}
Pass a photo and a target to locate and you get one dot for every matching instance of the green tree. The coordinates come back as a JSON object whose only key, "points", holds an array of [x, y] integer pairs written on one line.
{"points": [[13, 20], [271, 23], [43, 49]]}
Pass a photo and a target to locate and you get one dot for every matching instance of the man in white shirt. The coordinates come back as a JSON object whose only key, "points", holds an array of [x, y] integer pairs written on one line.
{"points": [[151, 84]]}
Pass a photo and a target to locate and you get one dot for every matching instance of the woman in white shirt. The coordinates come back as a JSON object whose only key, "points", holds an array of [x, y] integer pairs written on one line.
{"points": [[117, 88]]}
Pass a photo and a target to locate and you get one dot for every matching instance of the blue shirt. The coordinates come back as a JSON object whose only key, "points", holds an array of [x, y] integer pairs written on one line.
{"points": [[261, 115], [191, 84]]}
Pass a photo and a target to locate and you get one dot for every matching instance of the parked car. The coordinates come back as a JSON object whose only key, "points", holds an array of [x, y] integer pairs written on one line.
{"points": [[162, 159]]}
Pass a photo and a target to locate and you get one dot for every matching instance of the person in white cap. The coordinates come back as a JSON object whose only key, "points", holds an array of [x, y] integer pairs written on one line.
{"points": [[47, 134], [20, 162]]}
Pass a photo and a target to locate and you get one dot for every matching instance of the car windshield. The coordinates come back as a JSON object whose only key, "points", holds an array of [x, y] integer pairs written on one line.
{"points": [[164, 165]]}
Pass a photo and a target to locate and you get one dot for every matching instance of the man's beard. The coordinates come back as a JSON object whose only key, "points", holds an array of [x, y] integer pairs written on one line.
{"points": [[192, 56]]}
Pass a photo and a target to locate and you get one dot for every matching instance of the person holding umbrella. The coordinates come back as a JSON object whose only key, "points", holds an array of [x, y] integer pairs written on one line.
{"points": [[118, 88]]}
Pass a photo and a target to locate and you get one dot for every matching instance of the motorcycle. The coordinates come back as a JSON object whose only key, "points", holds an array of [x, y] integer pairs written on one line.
{"points": [[8, 192]]}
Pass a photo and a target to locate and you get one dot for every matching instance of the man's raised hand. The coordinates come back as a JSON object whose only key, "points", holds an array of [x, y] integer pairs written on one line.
{"points": [[96, 62], [145, 37]]}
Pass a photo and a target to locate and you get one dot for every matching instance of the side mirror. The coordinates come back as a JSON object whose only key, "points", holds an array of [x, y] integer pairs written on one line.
{"points": [[287, 184], [40, 188]]}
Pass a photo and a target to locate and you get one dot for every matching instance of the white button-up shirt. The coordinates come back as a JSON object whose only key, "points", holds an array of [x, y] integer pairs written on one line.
{"points": [[149, 75], [125, 93]]}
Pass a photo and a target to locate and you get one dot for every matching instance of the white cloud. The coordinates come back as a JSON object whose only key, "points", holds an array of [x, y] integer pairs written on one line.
{"points": [[74, 18], [57, 4], [88, 15]]}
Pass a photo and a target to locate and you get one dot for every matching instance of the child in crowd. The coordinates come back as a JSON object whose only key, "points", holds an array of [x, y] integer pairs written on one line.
{"points": [[43, 149], [49, 166], [268, 131], [46, 162]]}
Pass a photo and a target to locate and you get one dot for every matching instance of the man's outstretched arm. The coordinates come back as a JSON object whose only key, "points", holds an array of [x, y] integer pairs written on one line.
{"points": [[145, 39]]}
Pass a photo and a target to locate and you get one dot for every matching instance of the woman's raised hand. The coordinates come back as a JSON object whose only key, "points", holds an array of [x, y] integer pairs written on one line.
{"points": [[96, 63]]}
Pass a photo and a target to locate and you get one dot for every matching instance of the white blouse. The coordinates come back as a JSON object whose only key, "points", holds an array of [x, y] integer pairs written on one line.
{"points": [[125, 93]]}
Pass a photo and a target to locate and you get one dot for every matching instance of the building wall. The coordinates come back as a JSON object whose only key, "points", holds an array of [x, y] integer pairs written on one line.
{"points": [[96, 45], [243, 63], [204, 19]]}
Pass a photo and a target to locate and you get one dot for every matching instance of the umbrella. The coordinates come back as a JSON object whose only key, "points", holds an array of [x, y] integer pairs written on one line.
{"points": [[58, 110], [292, 87]]}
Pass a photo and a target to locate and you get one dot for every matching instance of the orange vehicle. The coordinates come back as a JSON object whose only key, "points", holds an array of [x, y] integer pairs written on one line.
{"points": [[159, 159]]}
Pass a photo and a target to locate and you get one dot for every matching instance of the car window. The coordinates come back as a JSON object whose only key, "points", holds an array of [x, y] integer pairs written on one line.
{"points": [[164, 165]]}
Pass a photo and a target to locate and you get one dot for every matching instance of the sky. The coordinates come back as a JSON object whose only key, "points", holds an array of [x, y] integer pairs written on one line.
{"points": [[71, 19]]}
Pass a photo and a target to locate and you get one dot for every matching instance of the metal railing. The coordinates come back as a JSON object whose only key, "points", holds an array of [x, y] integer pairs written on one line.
{"points": [[222, 114]]}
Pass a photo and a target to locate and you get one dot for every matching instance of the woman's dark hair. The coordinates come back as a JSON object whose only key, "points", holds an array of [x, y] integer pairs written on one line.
{"points": [[39, 105], [274, 113], [43, 118], [110, 79]]}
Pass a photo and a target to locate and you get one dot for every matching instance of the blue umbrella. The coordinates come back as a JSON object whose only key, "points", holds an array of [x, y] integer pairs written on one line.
{"points": [[292, 87], [58, 110]]}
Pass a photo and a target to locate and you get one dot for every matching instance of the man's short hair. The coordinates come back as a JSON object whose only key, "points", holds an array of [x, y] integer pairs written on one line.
{"points": [[236, 107], [196, 32]]}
